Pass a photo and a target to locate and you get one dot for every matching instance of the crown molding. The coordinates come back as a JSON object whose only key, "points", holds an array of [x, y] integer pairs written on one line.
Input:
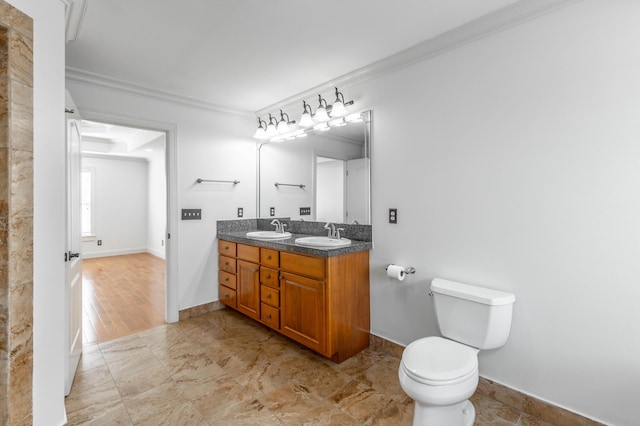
{"points": [[109, 83], [500, 20], [74, 17]]}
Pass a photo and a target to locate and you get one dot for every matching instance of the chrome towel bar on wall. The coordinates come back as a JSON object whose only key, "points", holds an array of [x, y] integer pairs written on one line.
{"points": [[299, 185], [235, 182]]}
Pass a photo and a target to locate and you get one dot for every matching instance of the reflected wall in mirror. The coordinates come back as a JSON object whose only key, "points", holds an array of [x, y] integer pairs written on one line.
{"points": [[327, 173]]}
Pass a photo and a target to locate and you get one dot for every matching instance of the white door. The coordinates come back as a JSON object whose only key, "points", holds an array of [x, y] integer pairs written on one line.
{"points": [[358, 191], [73, 285]]}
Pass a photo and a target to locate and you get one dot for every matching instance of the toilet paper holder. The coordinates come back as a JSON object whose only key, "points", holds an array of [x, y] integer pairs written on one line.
{"points": [[409, 270]]}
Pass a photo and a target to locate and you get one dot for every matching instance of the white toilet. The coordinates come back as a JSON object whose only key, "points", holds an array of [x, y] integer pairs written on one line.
{"points": [[441, 373]]}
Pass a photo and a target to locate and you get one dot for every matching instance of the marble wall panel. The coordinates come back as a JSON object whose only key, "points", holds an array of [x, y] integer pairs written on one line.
{"points": [[21, 117], [21, 184], [20, 251], [21, 52], [16, 216]]}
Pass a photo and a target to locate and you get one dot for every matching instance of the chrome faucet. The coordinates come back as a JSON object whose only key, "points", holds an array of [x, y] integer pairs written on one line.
{"points": [[333, 231], [279, 226]]}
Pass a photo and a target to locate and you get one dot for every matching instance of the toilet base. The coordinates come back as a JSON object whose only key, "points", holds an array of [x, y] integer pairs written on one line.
{"points": [[461, 414]]}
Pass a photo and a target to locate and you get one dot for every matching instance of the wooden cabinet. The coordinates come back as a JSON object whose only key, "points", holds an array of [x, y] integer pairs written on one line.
{"points": [[248, 289], [303, 310], [320, 302]]}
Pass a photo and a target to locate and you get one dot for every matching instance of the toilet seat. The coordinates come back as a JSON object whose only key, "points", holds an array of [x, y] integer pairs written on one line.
{"points": [[437, 361]]}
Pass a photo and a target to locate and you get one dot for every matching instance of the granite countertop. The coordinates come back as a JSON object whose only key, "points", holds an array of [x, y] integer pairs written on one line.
{"points": [[289, 244]]}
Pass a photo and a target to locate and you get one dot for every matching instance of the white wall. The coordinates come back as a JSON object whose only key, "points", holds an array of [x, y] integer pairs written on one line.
{"points": [[210, 145], [120, 203], [514, 163], [49, 237], [157, 204]]}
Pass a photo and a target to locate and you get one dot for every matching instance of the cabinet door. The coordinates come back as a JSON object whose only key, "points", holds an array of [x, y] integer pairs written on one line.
{"points": [[248, 289], [303, 313]]}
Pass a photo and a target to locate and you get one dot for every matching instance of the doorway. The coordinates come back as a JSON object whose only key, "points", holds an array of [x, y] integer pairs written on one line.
{"points": [[125, 224]]}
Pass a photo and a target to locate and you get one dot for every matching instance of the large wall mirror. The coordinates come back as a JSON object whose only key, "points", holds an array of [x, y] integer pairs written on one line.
{"points": [[323, 177]]}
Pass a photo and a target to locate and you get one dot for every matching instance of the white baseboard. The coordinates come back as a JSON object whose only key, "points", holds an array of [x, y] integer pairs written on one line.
{"points": [[157, 253], [107, 253]]}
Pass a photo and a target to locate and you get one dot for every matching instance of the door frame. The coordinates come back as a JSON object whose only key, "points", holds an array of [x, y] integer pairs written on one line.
{"points": [[171, 311]]}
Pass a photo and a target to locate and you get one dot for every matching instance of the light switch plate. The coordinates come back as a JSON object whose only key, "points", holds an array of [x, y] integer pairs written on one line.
{"points": [[191, 214]]}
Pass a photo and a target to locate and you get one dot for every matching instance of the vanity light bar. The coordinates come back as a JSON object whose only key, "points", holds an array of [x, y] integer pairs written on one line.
{"points": [[326, 116]]}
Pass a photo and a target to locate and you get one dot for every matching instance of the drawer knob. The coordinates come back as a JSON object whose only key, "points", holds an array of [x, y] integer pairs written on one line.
{"points": [[268, 276], [269, 257], [269, 296], [226, 279], [268, 316]]}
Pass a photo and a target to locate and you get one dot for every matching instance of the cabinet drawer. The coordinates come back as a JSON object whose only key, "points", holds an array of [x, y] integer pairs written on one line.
{"points": [[269, 257], [227, 264], [270, 316], [303, 265], [269, 277], [249, 253], [226, 248], [270, 296], [227, 296], [226, 279]]}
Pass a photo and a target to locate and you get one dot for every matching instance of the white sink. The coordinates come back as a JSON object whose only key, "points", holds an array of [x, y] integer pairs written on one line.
{"points": [[269, 235], [322, 242]]}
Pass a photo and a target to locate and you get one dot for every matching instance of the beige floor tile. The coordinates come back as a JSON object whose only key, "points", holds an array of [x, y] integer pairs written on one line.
{"points": [[164, 397], [296, 405], [108, 415], [184, 414], [223, 369], [125, 361]]}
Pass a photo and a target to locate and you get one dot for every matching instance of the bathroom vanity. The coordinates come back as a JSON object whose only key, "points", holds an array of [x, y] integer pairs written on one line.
{"points": [[319, 298]]}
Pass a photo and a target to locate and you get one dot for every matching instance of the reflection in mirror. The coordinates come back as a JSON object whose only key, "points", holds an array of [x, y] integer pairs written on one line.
{"points": [[323, 177]]}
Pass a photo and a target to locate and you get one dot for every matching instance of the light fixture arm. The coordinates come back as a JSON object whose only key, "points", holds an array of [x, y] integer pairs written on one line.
{"points": [[320, 101], [261, 122], [288, 121], [340, 98], [306, 108]]}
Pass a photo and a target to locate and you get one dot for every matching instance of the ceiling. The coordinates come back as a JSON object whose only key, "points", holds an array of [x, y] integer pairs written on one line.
{"points": [[245, 55], [119, 141]]}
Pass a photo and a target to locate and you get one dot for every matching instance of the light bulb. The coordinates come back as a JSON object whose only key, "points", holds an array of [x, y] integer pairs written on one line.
{"points": [[260, 133], [321, 115], [283, 127], [306, 120], [271, 130], [338, 109]]}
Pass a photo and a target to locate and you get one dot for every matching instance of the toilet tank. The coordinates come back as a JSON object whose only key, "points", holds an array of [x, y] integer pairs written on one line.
{"points": [[476, 316]]}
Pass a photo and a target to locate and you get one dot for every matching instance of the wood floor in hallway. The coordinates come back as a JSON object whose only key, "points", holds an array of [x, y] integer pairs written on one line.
{"points": [[121, 295]]}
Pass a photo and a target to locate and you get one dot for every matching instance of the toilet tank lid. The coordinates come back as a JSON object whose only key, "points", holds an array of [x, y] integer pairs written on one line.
{"points": [[483, 295]]}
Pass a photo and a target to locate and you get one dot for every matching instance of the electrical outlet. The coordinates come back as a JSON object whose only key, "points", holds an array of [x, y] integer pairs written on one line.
{"points": [[191, 214], [99, 242], [305, 211], [240, 212], [393, 215], [272, 211]]}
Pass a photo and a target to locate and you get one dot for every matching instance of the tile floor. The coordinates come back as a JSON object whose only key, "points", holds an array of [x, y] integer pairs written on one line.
{"points": [[224, 369]]}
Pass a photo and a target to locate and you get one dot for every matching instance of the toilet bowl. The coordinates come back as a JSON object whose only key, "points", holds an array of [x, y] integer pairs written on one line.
{"points": [[441, 373]]}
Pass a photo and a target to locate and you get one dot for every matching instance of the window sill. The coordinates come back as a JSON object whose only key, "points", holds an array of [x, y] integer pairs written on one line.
{"points": [[86, 238]]}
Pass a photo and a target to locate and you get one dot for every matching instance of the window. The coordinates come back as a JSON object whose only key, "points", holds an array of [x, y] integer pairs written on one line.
{"points": [[87, 202]]}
